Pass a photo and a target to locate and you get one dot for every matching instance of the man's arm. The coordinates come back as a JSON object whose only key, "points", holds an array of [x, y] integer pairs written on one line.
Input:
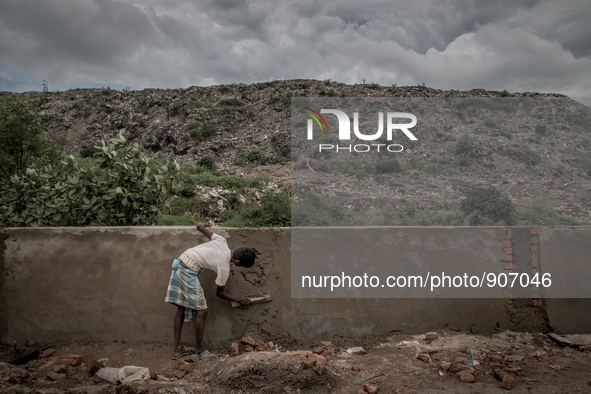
{"points": [[203, 228], [221, 292]]}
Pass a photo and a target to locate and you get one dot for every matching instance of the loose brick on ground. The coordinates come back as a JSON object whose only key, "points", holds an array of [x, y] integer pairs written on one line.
{"points": [[371, 389], [69, 360]]}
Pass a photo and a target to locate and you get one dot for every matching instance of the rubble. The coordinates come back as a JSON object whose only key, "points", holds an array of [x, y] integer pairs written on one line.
{"points": [[532, 360], [159, 120]]}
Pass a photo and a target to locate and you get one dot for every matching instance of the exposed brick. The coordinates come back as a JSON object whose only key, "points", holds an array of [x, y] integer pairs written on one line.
{"points": [[193, 359], [235, 349], [509, 257], [249, 340], [303, 353], [534, 248], [153, 374], [358, 350], [535, 231], [56, 376], [466, 376], [424, 358], [534, 240], [508, 232], [508, 266], [188, 367], [495, 357], [470, 370], [266, 347], [179, 374], [249, 348], [508, 382], [371, 389], [112, 381], [534, 257], [537, 303], [445, 366], [534, 271], [308, 363], [69, 360], [320, 360], [535, 264], [509, 251], [356, 368], [93, 366], [509, 244]]}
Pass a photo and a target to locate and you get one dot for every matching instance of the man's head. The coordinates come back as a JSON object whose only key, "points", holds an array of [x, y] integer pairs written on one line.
{"points": [[244, 256]]}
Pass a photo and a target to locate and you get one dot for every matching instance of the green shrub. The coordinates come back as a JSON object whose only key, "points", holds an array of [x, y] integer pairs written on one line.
{"points": [[125, 190], [388, 166], [274, 211], [255, 155], [504, 93], [207, 161], [231, 102], [224, 89], [261, 86], [466, 150], [506, 134], [145, 110], [195, 104], [86, 151], [286, 150], [539, 213], [529, 156], [541, 129], [319, 211], [487, 206], [582, 159], [206, 130]]}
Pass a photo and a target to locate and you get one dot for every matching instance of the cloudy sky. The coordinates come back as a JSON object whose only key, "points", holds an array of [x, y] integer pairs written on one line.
{"points": [[518, 45]]}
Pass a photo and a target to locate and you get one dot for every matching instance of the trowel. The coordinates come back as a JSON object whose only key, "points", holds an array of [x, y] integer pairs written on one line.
{"points": [[256, 299]]}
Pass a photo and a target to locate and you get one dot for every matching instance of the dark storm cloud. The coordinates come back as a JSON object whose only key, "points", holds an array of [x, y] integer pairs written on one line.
{"points": [[97, 32], [525, 45]]}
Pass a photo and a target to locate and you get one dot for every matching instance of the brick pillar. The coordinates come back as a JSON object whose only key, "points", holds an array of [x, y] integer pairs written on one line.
{"points": [[521, 256]]}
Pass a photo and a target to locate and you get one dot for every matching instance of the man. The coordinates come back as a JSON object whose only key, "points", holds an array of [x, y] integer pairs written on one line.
{"points": [[185, 291]]}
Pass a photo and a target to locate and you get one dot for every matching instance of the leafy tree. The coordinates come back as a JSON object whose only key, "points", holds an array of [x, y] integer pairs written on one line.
{"points": [[126, 189], [21, 139], [487, 206], [20, 136]]}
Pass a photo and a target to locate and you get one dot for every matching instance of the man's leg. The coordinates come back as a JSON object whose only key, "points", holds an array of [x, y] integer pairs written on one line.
{"points": [[199, 324], [178, 328]]}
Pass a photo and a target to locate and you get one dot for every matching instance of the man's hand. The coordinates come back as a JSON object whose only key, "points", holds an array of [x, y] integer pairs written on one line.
{"points": [[244, 301], [202, 227]]}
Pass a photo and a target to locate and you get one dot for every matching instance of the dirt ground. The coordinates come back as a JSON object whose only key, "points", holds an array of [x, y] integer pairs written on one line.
{"points": [[534, 363]]}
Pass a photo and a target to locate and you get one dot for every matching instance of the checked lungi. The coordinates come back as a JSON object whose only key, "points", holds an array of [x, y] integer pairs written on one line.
{"points": [[184, 289]]}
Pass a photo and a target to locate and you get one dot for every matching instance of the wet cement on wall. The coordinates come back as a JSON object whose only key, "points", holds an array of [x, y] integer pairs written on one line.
{"points": [[106, 284]]}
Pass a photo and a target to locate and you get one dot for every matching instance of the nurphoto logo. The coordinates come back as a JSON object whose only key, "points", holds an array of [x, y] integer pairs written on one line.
{"points": [[345, 130]]}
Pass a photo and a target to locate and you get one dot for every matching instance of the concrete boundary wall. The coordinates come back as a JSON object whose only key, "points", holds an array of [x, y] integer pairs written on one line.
{"points": [[105, 284]]}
